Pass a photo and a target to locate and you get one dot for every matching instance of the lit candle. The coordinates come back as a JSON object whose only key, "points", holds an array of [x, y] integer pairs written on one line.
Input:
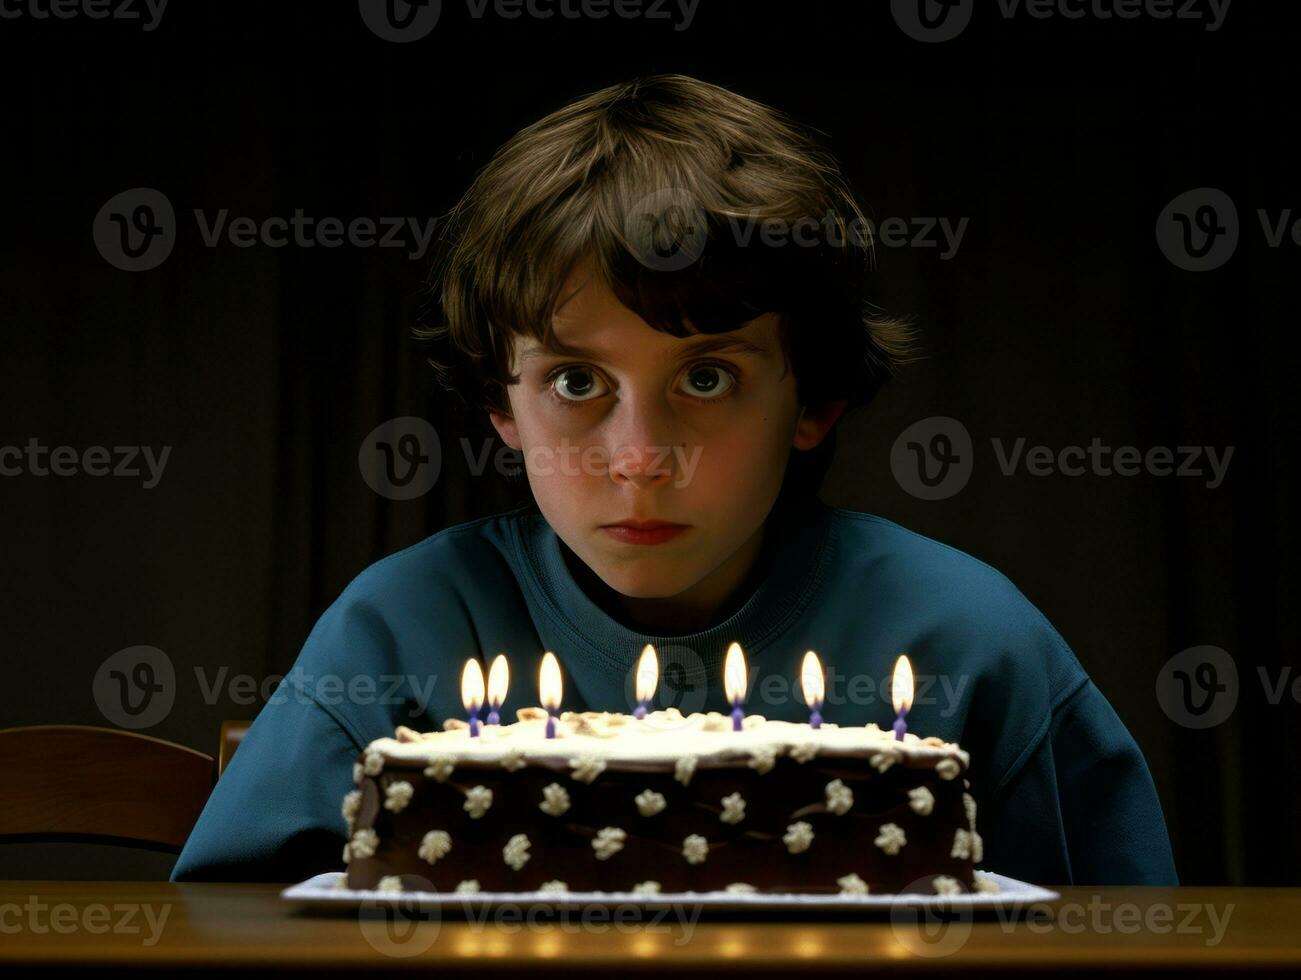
{"points": [[734, 682], [549, 689], [901, 693], [472, 693], [498, 682], [814, 688], [648, 676]]}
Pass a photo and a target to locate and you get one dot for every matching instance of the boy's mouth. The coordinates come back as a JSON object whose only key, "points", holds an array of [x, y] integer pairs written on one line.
{"points": [[643, 525], [644, 532]]}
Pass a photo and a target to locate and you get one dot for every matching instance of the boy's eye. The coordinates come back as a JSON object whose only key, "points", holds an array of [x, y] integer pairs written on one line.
{"points": [[574, 385], [710, 381]]}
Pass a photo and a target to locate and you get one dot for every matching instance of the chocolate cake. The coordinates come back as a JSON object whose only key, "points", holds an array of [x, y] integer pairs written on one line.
{"points": [[667, 803]]}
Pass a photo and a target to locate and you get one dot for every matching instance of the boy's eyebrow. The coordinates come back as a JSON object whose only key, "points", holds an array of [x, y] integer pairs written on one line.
{"points": [[709, 345]]}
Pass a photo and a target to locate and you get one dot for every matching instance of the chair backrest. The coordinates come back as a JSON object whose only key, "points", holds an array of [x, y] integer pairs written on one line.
{"points": [[232, 733], [88, 784]]}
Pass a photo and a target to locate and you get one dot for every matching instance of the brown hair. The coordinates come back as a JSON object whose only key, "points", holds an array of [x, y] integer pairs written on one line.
{"points": [[677, 192]]}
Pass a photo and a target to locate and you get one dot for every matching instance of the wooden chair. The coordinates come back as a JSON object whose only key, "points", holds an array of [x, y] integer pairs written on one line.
{"points": [[87, 784], [232, 733]]}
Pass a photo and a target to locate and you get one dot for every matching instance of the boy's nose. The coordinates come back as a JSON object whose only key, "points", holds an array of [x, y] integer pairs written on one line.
{"points": [[641, 448], [642, 466]]}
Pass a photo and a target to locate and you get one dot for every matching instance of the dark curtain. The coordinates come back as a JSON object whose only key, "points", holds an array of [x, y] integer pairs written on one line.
{"points": [[1057, 319]]}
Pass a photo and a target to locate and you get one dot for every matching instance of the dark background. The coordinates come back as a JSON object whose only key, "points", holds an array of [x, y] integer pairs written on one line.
{"points": [[1058, 319]]}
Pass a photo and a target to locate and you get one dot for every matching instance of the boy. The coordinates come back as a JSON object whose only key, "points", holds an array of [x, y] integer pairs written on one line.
{"points": [[658, 294]]}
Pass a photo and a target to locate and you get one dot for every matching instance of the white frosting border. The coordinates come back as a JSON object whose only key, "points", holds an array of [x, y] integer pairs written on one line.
{"points": [[662, 737]]}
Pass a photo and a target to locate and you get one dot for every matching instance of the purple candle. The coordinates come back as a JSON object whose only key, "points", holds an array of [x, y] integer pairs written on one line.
{"points": [[901, 694], [549, 686], [814, 687], [648, 676], [734, 683], [498, 681], [472, 693]]}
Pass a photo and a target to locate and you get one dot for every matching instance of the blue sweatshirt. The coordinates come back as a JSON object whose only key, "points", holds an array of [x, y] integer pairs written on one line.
{"points": [[1064, 794]]}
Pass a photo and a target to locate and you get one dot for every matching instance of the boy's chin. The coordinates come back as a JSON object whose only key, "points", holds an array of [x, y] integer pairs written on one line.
{"points": [[646, 583]]}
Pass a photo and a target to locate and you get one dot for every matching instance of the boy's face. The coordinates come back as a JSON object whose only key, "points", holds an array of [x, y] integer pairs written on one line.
{"points": [[647, 427]]}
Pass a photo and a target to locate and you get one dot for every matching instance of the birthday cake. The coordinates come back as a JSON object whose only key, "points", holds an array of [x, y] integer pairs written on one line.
{"points": [[664, 803]]}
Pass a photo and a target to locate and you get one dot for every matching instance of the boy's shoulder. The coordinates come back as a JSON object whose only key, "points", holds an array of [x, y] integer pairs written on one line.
{"points": [[876, 543], [438, 583], [455, 556], [952, 593]]}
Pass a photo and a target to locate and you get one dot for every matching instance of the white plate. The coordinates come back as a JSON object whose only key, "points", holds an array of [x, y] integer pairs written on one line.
{"points": [[320, 892]]}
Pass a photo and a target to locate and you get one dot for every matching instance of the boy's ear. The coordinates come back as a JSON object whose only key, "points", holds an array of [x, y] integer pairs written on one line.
{"points": [[506, 428], [812, 429]]}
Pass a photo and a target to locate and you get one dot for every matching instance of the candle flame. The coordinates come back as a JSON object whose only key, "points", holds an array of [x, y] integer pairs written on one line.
{"points": [[811, 680], [549, 686], [734, 673], [901, 686], [648, 674], [498, 680], [472, 685]]}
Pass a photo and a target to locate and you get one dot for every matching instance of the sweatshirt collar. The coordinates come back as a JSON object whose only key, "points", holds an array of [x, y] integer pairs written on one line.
{"points": [[794, 559]]}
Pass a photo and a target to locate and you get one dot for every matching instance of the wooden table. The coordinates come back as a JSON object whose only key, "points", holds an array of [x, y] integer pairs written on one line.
{"points": [[124, 927]]}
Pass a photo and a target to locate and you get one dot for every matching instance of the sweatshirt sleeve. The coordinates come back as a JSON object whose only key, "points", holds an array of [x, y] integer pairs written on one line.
{"points": [[1081, 807], [380, 655], [276, 812]]}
